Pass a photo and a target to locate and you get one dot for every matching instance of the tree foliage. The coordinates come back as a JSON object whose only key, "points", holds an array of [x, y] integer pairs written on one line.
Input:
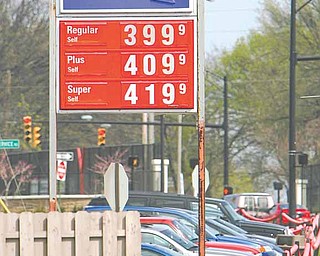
{"points": [[23, 63], [258, 71], [14, 176]]}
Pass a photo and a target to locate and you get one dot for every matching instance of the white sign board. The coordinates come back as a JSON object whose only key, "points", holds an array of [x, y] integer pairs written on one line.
{"points": [[67, 156], [195, 180], [61, 170], [116, 186]]}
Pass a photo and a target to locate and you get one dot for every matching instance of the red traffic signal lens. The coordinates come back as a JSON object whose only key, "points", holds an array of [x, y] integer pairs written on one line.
{"points": [[227, 190], [27, 119], [101, 131]]}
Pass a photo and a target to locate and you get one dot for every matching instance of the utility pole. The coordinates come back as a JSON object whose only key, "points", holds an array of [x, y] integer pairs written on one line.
{"points": [[226, 134], [292, 105], [294, 58]]}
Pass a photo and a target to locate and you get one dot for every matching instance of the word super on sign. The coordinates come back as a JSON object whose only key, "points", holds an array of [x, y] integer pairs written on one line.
{"points": [[127, 64]]}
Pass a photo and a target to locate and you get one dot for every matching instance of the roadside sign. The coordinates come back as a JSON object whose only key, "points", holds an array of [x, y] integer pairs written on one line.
{"points": [[150, 65], [116, 186], [76, 6], [61, 170], [195, 179], [9, 144], [66, 156]]}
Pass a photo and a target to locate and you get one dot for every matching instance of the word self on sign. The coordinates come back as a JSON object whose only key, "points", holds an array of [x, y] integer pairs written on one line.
{"points": [[137, 64]]}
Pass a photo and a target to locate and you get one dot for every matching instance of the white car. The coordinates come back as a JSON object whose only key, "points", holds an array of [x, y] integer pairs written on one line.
{"points": [[167, 238]]}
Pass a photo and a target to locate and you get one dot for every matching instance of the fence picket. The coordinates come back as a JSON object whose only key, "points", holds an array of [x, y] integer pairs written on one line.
{"points": [[26, 234], [54, 237]]}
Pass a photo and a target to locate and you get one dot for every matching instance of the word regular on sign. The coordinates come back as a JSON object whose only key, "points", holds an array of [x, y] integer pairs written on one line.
{"points": [[127, 65]]}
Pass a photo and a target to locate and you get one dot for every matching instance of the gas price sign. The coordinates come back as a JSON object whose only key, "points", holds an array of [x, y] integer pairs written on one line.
{"points": [[138, 64]]}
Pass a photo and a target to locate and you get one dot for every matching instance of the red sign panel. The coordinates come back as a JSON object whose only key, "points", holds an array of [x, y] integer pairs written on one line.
{"points": [[127, 65]]}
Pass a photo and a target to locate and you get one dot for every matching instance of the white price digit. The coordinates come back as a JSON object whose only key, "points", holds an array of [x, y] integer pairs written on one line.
{"points": [[131, 94], [182, 29], [150, 35], [150, 89], [168, 34], [168, 93], [168, 64], [131, 65], [182, 88], [149, 64], [132, 31], [182, 59]]}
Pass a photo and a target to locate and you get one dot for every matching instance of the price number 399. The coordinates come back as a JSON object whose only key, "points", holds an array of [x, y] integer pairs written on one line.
{"points": [[149, 35]]}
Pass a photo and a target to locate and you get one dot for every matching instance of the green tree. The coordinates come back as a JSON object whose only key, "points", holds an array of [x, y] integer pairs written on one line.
{"points": [[258, 73], [23, 63]]}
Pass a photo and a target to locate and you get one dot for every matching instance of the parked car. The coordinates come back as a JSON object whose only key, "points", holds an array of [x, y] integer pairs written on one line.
{"points": [[214, 207], [182, 230], [256, 204], [302, 213], [252, 227], [170, 240], [191, 221], [164, 236], [213, 233], [228, 228]]}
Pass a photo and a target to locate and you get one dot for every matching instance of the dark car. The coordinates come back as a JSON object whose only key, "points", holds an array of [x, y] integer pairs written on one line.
{"points": [[214, 207], [252, 227]]}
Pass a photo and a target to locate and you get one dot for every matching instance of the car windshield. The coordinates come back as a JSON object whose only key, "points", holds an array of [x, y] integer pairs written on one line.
{"points": [[180, 240], [187, 232], [225, 227], [235, 216]]}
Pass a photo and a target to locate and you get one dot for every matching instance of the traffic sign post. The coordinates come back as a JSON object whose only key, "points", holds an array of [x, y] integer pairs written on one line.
{"points": [[116, 186], [9, 144]]}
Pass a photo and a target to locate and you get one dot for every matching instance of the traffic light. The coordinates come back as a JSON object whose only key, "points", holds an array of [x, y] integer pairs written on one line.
{"points": [[227, 190], [133, 161], [36, 136], [101, 136], [27, 129]]}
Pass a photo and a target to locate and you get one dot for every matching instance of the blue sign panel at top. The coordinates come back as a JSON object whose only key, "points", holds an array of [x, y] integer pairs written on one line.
{"points": [[131, 5]]}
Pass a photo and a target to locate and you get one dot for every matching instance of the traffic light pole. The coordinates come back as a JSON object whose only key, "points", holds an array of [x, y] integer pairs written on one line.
{"points": [[292, 104], [226, 134]]}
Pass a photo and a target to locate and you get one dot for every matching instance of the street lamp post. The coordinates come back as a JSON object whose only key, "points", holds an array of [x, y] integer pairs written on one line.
{"points": [[292, 139], [226, 134]]}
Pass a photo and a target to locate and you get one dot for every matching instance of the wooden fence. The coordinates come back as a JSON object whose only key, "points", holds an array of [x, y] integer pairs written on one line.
{"points": [[70, 234]]}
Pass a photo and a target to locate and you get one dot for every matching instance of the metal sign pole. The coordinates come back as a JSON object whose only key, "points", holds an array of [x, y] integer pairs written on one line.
{"points": [[52, 111], [201, 127]]}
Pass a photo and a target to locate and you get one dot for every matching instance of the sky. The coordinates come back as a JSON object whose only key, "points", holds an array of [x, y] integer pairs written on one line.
{"points": [[228, 20]]}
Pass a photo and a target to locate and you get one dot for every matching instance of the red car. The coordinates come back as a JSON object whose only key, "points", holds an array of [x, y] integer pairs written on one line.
{"points": [[302, 213], [180, 228]]}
